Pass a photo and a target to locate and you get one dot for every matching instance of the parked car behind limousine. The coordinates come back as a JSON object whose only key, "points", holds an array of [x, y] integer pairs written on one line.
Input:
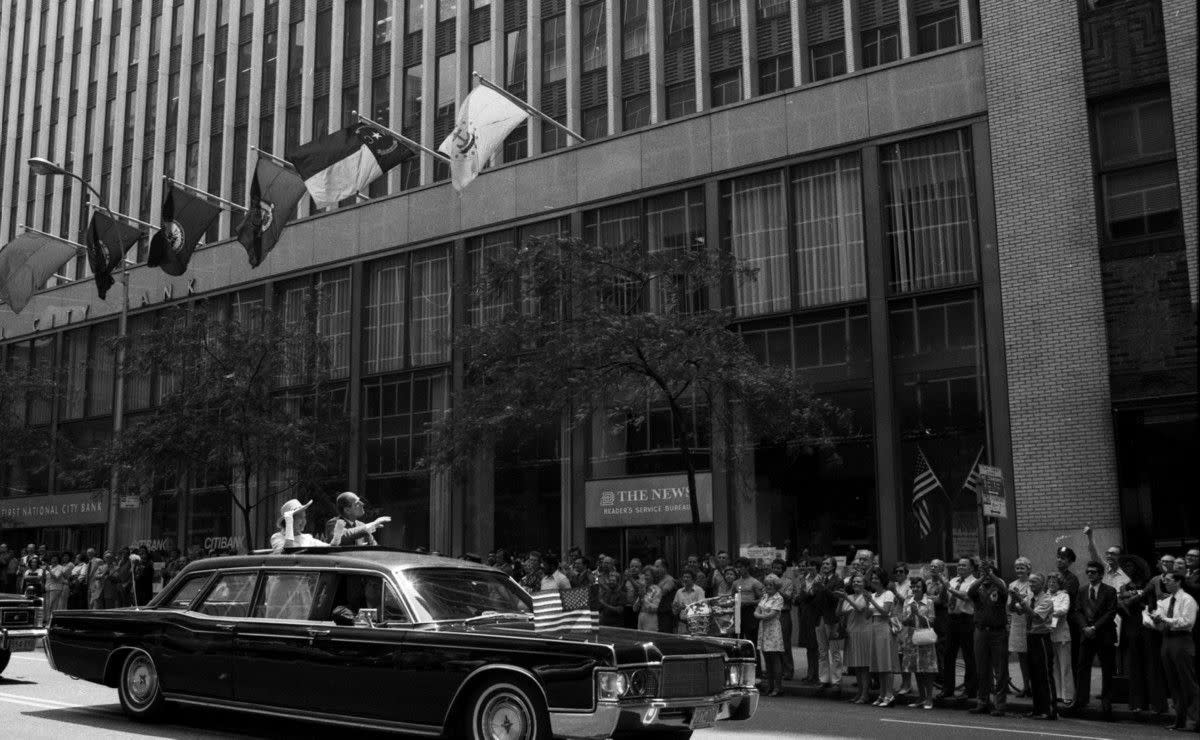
{"points": [[400, 641], [20, 625]]}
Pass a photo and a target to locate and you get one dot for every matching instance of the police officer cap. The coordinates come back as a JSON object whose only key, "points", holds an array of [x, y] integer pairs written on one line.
{"points": [[1067, 553]]}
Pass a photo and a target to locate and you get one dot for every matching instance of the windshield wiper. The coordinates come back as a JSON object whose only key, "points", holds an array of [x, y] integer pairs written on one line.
{"points": [[498, 616]]}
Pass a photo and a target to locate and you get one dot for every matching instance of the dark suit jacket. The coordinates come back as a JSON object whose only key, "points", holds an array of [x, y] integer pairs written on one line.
{"points": [[1099, 613]]}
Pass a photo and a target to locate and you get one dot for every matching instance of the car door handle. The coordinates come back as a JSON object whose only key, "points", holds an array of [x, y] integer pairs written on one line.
{"points": [[226, 627], [313, 634]]}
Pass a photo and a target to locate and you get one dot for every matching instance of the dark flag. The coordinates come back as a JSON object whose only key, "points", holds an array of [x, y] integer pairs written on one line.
{"points": [[336, 166], [107, 242], [274, 193], [26, 263], [185, 218]]}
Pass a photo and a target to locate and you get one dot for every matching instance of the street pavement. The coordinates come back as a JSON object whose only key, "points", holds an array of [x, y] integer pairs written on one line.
{"points": [[37, 702]]}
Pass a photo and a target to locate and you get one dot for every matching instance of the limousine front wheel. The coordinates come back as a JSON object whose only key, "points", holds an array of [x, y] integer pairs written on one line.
{"points": [[506, 711], [139, 688]]}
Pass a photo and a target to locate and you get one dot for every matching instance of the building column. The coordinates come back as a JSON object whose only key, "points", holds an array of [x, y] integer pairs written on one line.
{"points": [[851, 36], [658, 90], [749, 26], [1179, 26], [887, 510], [908, 29], [800, 71], [700, 39]]}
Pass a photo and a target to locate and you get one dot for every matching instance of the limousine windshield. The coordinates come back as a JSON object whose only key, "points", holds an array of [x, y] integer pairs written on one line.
{"points": [[456, 593]]}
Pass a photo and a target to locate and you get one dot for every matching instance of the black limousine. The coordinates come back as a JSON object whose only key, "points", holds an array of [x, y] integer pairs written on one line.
{"points": [[373, 637], [20, 625]]}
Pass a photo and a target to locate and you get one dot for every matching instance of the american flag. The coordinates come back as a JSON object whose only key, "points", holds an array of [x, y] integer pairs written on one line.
{"points": [[569, 610], [925, 482], [974, 482]]}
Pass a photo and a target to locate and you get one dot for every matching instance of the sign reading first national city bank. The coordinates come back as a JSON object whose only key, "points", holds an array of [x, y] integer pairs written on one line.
{"points": [[646, 501], [53, 511]]}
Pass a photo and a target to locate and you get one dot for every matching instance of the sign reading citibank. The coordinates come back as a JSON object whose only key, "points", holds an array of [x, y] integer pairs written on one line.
{"points": [[53, 511], [647, 501]]}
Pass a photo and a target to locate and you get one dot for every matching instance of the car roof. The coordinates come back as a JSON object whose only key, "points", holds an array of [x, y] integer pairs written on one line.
{"points": [[378, 558]]}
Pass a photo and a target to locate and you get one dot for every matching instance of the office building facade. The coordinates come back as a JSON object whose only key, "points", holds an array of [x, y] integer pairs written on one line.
{"points": [[973, 223]]}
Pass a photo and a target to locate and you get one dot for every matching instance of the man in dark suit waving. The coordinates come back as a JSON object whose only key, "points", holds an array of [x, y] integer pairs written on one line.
{"points": [[1095, 614]]}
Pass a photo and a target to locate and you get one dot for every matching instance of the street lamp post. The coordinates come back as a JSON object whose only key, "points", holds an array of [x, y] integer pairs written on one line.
{"points": [[47, 168]]}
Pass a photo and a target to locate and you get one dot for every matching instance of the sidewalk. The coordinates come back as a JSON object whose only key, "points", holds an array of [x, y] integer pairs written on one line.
{"points": [[1015, 706]]}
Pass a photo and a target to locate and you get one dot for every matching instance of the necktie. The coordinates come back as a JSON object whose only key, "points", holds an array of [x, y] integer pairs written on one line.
{"points": [[1171, 608]]}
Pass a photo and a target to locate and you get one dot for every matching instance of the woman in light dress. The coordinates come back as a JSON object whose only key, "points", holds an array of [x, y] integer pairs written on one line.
{"points": [[58, 584], [885, 650], [858, 636], [770, 632], [918, 612], [647, 605], [1017, 627]]}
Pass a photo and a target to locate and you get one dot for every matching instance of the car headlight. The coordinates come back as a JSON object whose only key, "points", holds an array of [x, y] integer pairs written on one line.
{"points": [[611, 685], [740, 675]]}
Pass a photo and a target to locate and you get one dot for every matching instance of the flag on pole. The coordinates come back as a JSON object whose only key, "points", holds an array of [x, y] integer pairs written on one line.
{"points": [[275, 191], [485, 118], [568, 610], [185, 218], [925, 482], [107, 242], [26, 263], [974, 482], [338, 165]]}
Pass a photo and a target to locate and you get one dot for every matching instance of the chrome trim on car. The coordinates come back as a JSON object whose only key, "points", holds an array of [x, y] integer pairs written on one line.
{"points": [[502, 667], [381, 724], [37, 633], [595, 725], [644, 713]]}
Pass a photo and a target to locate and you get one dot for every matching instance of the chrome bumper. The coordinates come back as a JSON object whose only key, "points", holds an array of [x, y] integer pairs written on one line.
{"points": [[610, 717], [6, 635]]}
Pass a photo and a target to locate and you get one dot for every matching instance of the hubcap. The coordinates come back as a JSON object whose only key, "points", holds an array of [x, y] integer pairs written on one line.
{"points": [[505, 718], [141, 681]]}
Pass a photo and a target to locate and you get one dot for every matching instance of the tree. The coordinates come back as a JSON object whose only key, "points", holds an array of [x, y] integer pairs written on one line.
{"points": [[221, 414], [25, 449], [596, 328]]}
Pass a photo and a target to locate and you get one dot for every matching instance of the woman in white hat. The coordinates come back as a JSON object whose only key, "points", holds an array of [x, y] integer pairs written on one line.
{"points": [[291, 528]]}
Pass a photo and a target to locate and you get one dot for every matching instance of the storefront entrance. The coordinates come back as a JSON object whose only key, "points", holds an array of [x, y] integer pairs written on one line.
{"points": [[673, 543]]}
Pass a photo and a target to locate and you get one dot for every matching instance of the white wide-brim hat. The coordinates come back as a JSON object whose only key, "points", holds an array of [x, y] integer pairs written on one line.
{"points": [[291, 505]]}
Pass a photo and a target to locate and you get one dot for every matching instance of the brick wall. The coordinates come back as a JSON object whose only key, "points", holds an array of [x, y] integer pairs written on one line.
{"points": [[1064, 468], [1179, 21]]}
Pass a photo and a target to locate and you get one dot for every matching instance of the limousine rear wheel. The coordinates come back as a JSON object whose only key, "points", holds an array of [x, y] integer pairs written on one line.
{"points": [[139, 687], [506, 711]]}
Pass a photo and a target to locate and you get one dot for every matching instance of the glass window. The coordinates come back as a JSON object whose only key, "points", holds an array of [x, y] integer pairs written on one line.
{"points": [[1142, 201], [675, 222], [296, 51], [634, 39], [333, 318], [516, 54], [445, 84], [288, 596], [230, 597], [431, 306], [415, 16], [554, 49], [352, 30], [678, 23], [937, 30], [827, 198], [754, 220], [102, 366], [187, 592], [681, 99], [880, 45], [381, 103], [772, 8], [636, 112], [481, 60], [382, 35], [775, 74], [447, 9], [723, 15], [1127, 132], [444, 593], [827, 59], [324, 41], [412, 98], [397, 414], [929, 206], [482, 251], [383, 325], [74, 373], [1135, 148], [593, 29], [726, 87], [595, 122]]}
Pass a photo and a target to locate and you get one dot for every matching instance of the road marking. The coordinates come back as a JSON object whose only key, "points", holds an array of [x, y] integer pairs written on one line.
{"points": [[35, 703], [52, 702], [994, 729]]}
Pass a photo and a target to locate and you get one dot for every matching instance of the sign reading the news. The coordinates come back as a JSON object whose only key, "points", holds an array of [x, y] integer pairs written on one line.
{"points": [[53, 511], [646, 501]]}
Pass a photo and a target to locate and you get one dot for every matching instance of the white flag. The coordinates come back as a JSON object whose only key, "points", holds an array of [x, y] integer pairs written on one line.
{"points": [[485, 118]]}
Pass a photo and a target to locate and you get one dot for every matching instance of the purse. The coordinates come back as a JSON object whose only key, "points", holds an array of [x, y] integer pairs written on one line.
{"points": [[922, 636]]}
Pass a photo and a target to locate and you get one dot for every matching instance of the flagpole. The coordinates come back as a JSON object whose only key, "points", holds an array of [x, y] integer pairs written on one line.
{"points": [[123, 216], [401, 137], [30, 229], [278, 160], [203, 193], [526, 106]]}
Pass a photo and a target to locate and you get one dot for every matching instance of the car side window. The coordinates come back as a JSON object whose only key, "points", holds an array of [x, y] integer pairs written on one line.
{"points": [[186, 592], [393, 610], [287, 596], [230, 596]]}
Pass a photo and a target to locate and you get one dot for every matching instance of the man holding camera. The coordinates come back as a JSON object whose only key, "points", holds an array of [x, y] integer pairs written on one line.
{"points": [[989, 595]]}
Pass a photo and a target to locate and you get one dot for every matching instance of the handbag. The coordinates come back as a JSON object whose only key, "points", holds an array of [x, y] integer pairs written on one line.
{"points": [[922, 636]]}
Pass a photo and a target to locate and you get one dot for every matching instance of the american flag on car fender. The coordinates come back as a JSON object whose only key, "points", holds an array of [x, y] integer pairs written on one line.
{"points": [[569, 610]]}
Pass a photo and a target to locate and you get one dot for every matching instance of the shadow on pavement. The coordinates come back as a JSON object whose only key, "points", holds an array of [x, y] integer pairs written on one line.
{"points": [[15, 682], [191, 722]]}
